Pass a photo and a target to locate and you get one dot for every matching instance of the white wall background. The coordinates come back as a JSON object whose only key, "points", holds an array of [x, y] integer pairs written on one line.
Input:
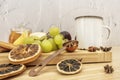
{"points": [[40, 14]]}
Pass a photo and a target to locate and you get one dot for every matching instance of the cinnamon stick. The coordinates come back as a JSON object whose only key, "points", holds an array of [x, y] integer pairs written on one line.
{"points": [[6, 45]]}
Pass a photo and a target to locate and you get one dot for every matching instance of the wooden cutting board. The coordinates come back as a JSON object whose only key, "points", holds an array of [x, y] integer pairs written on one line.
{"points": [[87, 57]]}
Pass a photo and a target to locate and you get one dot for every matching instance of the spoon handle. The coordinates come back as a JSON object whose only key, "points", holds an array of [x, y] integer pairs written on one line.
{"points": [[33, 72]]}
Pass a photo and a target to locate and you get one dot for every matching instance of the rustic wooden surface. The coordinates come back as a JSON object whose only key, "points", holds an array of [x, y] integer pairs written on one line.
{"points": [[93, 71], [87, 57]]}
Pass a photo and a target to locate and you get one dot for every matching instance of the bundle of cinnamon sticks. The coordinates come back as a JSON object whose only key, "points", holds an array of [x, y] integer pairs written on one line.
{"points": [[5, 47]]}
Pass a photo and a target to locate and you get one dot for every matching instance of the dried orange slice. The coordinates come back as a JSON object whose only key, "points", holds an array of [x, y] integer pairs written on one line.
{"points": [[8, 70], [24, 53], [69, 66]]}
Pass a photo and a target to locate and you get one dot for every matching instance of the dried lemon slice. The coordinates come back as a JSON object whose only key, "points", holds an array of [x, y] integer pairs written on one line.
{"points": [[24, 53], [8, 70], [69, 66]]}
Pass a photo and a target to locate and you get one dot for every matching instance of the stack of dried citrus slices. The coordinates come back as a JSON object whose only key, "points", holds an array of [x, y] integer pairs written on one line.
{"points": [[19, 56]]}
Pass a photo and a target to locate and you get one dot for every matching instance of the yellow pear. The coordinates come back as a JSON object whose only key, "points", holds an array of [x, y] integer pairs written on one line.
{"points": [[20, 40]]}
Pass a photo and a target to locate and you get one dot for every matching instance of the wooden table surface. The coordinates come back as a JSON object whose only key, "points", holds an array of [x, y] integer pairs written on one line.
{"points": [[93, 71]]}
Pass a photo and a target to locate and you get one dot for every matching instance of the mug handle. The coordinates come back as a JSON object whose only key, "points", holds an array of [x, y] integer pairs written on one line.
{"points": [[109, 31]]}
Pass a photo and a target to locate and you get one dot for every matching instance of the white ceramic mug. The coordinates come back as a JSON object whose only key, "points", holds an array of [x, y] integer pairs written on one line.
{"points": [[89, 30]]}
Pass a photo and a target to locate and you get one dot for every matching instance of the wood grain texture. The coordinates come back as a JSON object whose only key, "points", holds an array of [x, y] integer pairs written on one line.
{"points": [[87, 57], [94, 71]]}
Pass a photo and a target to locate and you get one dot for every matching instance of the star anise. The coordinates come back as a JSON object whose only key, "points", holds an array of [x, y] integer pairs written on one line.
{"points": [[108, 69]]}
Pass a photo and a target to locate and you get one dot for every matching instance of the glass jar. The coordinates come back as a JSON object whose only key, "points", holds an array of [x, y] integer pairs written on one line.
{"points": [[16, 32]]}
